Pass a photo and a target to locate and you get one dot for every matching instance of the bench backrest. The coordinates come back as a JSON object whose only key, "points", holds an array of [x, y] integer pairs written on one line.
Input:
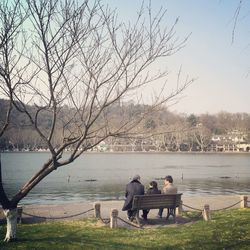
{"points": [[154, 201]]}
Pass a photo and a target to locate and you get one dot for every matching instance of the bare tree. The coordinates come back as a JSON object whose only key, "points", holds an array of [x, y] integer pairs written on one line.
{"points": [[202, 136], [81, 56], [11, 21]]}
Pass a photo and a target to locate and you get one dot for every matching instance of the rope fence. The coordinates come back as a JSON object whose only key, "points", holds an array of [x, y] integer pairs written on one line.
{"points": [[113, 219], [129, 223], [215, 210], [57, 218], [206, 212], [220, 209], [196, 209], [105, 220]]}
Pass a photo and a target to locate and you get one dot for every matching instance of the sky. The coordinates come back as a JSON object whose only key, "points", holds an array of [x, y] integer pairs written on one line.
{"points": [[221, 67]]}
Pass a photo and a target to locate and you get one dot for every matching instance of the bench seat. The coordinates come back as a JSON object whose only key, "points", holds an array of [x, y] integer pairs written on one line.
{"points": [[156, 201]]}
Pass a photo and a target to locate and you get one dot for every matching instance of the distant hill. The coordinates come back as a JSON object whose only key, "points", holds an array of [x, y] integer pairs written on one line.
{"points": [[170, 129]]}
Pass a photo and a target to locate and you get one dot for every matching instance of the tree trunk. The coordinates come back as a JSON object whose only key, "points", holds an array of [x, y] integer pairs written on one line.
{"points": [[11, 217]]}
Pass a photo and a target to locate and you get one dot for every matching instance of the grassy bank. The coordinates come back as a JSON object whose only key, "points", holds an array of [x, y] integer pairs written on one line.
{"points": [[227, 230]]}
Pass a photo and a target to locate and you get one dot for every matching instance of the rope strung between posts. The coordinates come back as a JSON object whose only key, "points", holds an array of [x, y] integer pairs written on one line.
{"points": [[220, 209], [58, 218], [129, 223], [105, 220], [191, 216], [197, 209]]}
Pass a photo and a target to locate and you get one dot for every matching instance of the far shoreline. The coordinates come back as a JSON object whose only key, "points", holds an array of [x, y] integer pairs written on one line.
{"points": [[136, 152]]}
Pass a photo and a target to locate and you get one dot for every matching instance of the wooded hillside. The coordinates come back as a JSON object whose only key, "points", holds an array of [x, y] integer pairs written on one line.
{"points": [[166, 131]]}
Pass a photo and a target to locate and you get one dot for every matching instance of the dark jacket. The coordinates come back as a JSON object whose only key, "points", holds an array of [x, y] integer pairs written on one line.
{"points": [[133, 188], [153, 191]]}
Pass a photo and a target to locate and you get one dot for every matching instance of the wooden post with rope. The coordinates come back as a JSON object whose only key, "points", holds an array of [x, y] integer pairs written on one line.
{"points": [[97, 209], [206, 213], [113, 218], [243, 203]]}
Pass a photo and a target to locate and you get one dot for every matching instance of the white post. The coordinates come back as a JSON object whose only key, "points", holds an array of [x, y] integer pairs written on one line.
{"points": [[113, 218], [243, 203], [206, 213]]}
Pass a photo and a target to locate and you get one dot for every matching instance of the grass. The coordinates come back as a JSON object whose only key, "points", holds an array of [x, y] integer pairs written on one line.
{"points": [[227, 230]]}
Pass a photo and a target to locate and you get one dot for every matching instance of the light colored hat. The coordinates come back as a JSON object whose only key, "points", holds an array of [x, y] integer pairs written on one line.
{"points": [[136, 177]]}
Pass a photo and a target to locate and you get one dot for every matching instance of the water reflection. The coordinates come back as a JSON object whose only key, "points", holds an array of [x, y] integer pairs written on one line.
{"points": [[215, 186]]}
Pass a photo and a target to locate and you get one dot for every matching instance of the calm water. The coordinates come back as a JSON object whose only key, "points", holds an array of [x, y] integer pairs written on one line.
{"points": [[194, 174]]}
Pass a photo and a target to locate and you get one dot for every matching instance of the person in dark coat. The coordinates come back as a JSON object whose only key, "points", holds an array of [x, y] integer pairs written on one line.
{"points": [[153, 189], [132, 188]]}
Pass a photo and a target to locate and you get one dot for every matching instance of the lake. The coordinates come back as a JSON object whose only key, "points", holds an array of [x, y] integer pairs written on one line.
{"points": [[103, 176]]}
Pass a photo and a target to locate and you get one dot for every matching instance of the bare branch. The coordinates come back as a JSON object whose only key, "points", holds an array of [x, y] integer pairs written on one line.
{"points": [[79, 56]]}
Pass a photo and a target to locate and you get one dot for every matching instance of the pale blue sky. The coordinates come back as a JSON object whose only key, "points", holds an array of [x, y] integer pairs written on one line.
{"points": [[220, 66]]}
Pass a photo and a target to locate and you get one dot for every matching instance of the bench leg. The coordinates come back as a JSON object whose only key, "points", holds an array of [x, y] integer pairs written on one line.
{"points": [[174, 215], [168, 214], [137, 218], [171, 211]]}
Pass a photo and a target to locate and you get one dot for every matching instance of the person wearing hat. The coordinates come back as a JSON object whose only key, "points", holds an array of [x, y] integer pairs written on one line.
{"points": [[168, 188], [132, 188]]}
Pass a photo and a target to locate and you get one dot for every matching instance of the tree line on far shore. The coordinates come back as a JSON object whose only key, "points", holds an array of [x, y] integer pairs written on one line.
{"points": [[166, 131]]}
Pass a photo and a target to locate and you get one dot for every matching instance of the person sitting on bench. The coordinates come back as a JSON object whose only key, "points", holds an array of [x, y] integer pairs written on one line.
{"points": [[153, 189], [168, 188], [132, 188]]}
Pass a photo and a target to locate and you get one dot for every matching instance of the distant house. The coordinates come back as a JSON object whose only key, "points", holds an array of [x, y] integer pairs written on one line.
{"points": [[232, 141], [102, 146]]}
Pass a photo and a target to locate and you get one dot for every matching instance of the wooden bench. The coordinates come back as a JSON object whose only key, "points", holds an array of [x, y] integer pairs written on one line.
{"points": [[156, 201]]}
